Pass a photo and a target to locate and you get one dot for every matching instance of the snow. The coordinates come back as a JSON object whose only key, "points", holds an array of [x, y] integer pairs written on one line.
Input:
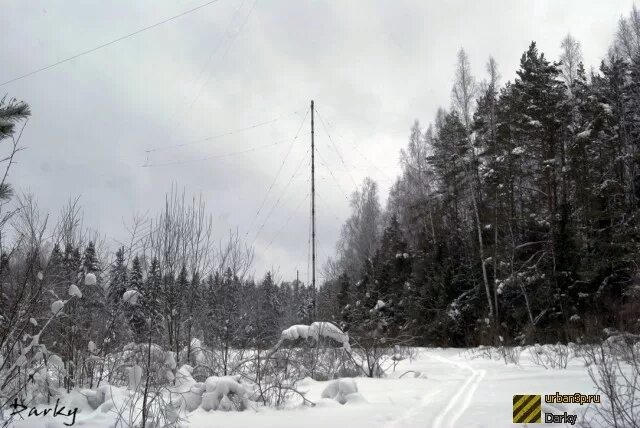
{"points": [[56, 307], [198, 352], [74, 291], [315, 331], [583, 135], [21, 361], [55, 361], [193, 397], [131, 297], [90, 279], [135, 376], [340, 389], [606, 107], [170, 360], [295, 332], [218, 390], [518, 150], [455, 388], [224, 385], [326, 329], [457, 392]]}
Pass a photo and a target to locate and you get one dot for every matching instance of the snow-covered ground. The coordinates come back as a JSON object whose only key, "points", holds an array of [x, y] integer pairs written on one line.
{"points": [[445, 388], [451, 390]]}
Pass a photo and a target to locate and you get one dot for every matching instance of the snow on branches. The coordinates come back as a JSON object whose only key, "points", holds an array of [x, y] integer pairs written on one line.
{"points": [[131, 297], [315, 331], [74, 291], [90, 279]]}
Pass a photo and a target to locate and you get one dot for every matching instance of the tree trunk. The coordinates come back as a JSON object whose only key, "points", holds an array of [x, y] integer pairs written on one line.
{"points": [[481, 251]]}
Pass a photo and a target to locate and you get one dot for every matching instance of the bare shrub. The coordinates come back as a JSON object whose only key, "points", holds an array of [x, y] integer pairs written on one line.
{"points": [[276, 375], [550, 356], [614, 368]]}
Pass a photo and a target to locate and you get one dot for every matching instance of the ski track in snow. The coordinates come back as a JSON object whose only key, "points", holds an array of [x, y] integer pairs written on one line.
{"points": [[461, 400], [413, 411], [457, 405]]}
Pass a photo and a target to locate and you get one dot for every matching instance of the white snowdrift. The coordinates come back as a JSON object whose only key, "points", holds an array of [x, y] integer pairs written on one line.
{"points": [[341, 390], [99, 396]]}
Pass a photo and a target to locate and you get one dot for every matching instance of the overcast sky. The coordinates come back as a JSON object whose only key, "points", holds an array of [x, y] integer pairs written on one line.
{"points": [[372, 67]]}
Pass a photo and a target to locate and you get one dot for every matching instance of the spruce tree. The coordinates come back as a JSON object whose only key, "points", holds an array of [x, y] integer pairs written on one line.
{"points": [[118, 281], [136, 315]]}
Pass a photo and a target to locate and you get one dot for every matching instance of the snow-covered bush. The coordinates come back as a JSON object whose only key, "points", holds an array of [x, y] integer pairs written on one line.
{"points": [[135, 376], [193, 397], [56, 307], [99, 396], [131, 297], [315, 331], [340, 389], [197, 354], [159, 363], [74, 291], [90, 279], [224, 393], [320, 362]]}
